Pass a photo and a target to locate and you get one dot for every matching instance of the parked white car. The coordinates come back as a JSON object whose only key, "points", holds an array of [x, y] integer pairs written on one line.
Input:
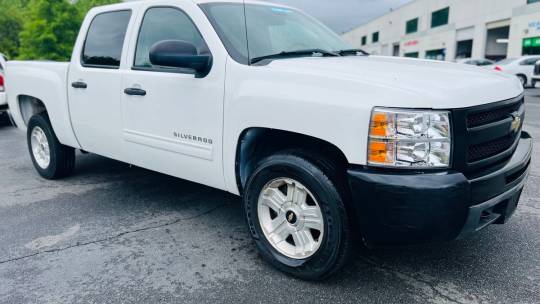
{"points": [[3, 98], [321, 141], [522, 67], [476, 62], [536, 74]]}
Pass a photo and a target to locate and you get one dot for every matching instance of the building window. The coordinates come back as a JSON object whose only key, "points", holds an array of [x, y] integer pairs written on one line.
{"points": [[531, 46], [364, 40], [411, 26], [412, 55], [440, 17], [532, 1], [375, 37], [395, 49], [464, 49], [436, 54]]}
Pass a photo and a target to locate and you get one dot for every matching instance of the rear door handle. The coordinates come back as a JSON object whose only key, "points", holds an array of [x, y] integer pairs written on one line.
{"points": [[135, 92], [79, 85]]}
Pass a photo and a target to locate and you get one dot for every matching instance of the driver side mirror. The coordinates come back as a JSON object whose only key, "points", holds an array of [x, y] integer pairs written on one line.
{"points": [[180, 54]]}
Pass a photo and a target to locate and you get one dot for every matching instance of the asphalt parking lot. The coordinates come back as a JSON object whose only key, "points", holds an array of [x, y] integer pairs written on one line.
{"points": [[119, 234]]}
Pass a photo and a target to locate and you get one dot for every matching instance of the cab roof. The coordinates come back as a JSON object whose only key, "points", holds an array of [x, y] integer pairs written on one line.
{"points": [[138, 3]]}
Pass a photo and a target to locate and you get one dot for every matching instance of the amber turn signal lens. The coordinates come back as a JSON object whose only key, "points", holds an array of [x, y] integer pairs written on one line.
{"points": [[381, 152], [379, 124]]}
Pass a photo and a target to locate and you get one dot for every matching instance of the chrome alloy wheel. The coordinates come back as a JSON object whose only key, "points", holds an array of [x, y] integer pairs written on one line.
{"points": [[40, 148], [290, 218]]}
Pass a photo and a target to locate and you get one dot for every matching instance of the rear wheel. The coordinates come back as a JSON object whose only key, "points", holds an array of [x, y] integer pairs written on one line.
{"points": [[51, 159], [297, 217]]}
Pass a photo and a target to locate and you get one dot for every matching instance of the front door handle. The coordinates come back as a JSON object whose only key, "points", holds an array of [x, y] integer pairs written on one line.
{"points": [[135, 92], [79, 85]]}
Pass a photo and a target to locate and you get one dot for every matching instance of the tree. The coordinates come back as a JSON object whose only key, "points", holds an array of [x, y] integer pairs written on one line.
{"points": [[83, 6], [41, 29], [11, 24], [50, 31]]}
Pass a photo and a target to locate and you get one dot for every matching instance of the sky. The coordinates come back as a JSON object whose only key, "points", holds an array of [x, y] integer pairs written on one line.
{"points": [[344, 15]]}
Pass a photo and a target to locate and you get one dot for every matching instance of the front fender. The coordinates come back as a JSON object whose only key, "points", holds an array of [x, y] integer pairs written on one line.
{"points": [[302, 106]]}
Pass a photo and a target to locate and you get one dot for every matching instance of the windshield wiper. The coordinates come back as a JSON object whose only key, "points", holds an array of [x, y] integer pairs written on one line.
{"points": [[352, 52], [310, 52]]}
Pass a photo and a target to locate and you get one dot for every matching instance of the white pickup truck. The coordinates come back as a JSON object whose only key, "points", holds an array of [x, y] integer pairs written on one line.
{"points": [[323, 142]]}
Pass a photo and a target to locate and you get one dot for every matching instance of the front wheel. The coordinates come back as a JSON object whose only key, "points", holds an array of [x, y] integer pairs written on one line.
{"points": [[297, 217], [51, 159]]}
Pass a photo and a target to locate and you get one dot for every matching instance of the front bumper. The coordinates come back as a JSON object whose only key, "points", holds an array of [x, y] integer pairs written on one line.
{"points": [[397, 208]]}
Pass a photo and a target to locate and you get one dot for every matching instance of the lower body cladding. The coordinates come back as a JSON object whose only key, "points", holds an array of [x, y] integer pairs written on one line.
{"points": [[413, 208]]}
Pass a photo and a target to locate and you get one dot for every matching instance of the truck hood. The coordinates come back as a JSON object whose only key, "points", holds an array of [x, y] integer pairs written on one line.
{"points": [[402, 82]]}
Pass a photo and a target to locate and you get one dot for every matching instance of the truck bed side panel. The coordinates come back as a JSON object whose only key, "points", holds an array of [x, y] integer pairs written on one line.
{"points": [[45, 81]]}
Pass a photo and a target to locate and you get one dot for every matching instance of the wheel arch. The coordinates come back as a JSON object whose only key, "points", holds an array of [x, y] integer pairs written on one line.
{"points": [[255, 143], [30, 106], [24, 106], [527, 79]]}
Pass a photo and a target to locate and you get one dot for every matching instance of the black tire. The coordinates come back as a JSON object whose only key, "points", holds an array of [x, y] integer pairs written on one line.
{"points": [[4, 119], [336, 246], [62, 158], [11, 120]]}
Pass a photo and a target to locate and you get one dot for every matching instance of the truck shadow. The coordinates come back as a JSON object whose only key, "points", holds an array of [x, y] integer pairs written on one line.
{"points": [[196, 236], [419, 267]]}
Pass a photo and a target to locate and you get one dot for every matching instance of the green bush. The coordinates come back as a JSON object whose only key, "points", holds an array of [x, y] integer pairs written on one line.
{"points": [[42, 29]]}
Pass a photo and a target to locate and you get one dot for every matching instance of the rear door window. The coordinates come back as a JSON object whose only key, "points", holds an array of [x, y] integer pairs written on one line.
{"points": [[530, 61], [105, 40]]}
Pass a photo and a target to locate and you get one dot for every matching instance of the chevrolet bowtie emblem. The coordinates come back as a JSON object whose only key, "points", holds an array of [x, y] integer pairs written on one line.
{"points": [[516, 123], [290, 217]]}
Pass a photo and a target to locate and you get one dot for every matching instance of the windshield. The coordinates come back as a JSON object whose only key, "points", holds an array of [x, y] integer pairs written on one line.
{"points": [[270, 30], [484, 62], [507, 61]]}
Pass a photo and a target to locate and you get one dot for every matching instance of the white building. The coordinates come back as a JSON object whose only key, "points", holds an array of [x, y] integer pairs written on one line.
{"points": [[452, 29]]}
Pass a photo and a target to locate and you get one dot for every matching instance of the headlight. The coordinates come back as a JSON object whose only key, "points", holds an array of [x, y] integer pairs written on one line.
{"points": [[409, 138]]}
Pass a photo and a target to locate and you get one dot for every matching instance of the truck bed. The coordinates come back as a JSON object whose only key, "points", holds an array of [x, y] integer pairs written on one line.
{"points": [[45, 82]]}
